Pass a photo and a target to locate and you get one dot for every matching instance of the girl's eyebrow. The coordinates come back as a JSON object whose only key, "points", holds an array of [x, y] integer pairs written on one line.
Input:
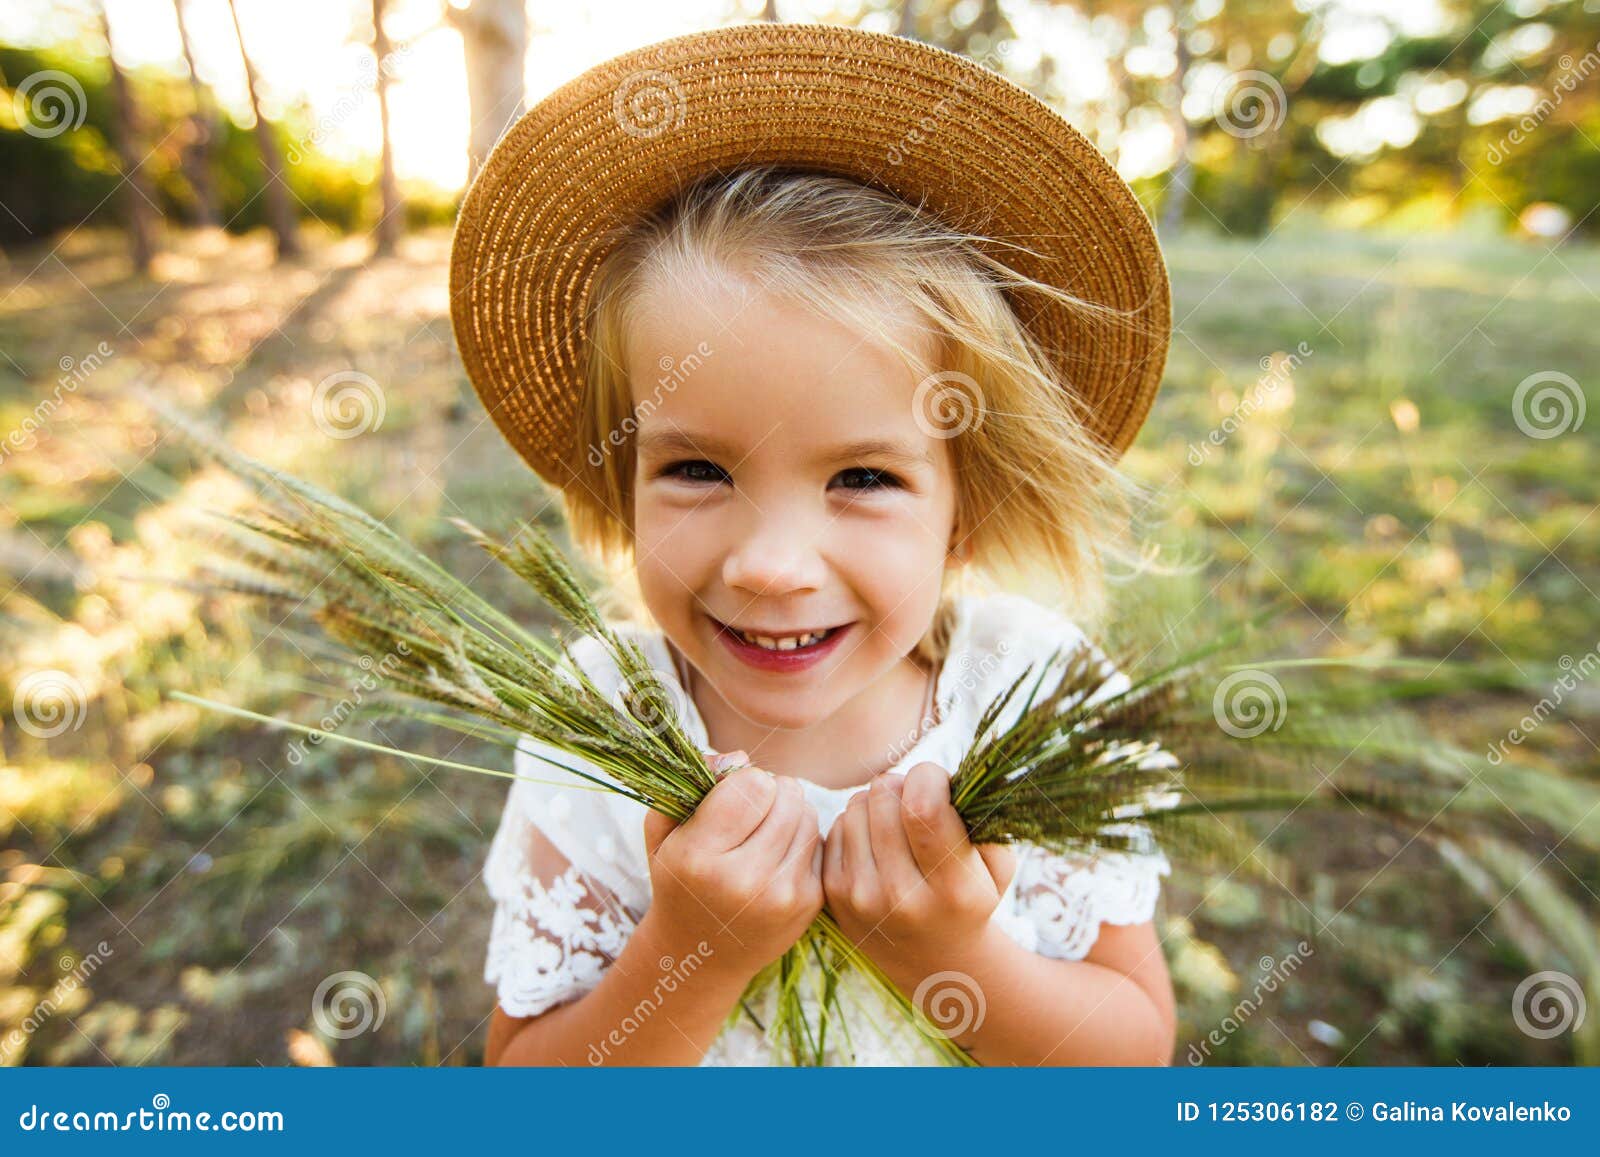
{"points": [[891, 449], [668, 440]]}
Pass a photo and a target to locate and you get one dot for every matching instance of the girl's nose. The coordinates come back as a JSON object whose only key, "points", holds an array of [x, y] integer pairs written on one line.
{"points": [[775, 558]]}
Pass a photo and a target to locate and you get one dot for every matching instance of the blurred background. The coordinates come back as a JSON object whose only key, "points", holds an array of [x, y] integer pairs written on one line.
{"points": [[1380, 222]]}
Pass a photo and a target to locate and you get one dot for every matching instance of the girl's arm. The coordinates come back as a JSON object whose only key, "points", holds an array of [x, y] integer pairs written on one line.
{"points": [[909, 887], [629, 1017], [1114, 1007], [731, 888]]}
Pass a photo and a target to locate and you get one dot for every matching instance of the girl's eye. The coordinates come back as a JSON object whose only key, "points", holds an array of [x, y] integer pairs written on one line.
{"points": [[696, 471], [863, 478]]}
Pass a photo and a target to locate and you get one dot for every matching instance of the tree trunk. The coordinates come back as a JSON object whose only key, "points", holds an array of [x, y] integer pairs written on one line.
{"points": [[494, 40], [390, 210], [280, 217], [1182, 179], [1120, 102], [202, 129], [136, 195], [908, 20]]}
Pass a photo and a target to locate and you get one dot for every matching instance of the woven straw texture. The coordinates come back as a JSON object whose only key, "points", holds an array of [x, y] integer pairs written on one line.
{"points": [[922, 123]]}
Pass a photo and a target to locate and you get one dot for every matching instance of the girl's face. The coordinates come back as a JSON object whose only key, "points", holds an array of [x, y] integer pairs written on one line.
{"points": [[792, 519]]}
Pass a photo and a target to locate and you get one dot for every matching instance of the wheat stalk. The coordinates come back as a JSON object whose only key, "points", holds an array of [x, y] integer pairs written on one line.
{"points": [[1053, 762]]}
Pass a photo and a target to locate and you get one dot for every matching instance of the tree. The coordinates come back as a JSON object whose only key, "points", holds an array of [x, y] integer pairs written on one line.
{"points": [[1265, 50], [390, 208], [908, 19], [138, 202], [494, 39], [202, 132], [280, 218]]}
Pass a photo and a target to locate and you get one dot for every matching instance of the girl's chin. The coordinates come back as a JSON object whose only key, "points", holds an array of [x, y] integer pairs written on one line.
{"points": [[789, 712]]}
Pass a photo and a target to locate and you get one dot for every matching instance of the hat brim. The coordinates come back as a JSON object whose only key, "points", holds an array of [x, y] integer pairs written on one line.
{"points": [[917, 121]]}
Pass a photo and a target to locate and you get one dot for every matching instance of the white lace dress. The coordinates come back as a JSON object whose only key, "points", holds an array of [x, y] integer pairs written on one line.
{"points": [[569, 876]]}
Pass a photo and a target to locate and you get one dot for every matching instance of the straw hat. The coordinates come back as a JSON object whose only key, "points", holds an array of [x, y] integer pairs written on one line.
{"points": [[922, 123]]}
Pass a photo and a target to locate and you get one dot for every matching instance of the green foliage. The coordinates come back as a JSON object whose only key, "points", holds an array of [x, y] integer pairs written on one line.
{"points": [[1462, 539], [49, 183], [55, 182]]}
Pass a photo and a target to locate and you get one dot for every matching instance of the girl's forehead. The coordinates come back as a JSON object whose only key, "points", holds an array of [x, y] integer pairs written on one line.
{"points": [[735, 354], [747, 401]]}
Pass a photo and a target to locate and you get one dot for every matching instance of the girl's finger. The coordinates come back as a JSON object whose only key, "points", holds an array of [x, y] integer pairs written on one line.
{"points": [[858, 860], [657, 827], [938, 837], [726, 761], [833, 873], [798, 857], [1001, 862], [891, 848], [766, 845], [734, 809]]}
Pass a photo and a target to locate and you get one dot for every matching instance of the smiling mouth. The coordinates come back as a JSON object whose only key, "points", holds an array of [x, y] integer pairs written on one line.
{"points": [[785, 641]]}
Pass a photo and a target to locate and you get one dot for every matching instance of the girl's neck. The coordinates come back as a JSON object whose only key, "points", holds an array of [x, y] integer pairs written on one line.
{"points": [[866, 736]]}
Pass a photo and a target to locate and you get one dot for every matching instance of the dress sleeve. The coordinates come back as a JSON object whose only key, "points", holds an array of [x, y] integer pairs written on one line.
{"points": [[1060, 900], [569, 879]]}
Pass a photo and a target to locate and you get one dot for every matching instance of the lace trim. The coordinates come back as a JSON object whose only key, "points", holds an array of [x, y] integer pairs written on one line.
{"points": [[551, 943], [1062, 901]]}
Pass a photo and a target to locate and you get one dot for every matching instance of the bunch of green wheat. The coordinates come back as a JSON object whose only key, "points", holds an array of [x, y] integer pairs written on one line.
{"points": [[1054, 762]]}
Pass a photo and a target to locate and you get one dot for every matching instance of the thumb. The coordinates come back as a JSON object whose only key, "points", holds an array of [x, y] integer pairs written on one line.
{"points": [[657, 827]]}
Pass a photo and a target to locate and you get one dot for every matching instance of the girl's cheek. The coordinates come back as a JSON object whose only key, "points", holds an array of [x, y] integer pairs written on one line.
{"points": [[899, 566], [674, 542], [917, 532], [659, 515]]}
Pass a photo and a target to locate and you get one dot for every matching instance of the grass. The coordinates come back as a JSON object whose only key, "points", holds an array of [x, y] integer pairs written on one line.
{"points": [[228, 882]]}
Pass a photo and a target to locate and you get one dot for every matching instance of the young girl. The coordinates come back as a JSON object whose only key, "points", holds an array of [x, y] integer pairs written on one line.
{"points": [[812, 424]]}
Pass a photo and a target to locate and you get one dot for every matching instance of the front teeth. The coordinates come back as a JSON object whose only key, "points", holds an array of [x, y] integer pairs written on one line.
{"points": [[787, 643]]}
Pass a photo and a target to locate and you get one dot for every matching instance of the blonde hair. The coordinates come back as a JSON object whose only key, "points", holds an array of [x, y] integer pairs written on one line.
{"points": [[1040, 501]]}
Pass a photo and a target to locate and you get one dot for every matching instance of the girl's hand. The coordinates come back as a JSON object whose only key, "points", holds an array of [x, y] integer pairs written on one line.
{"points": [[900, 874], [740, 873]]}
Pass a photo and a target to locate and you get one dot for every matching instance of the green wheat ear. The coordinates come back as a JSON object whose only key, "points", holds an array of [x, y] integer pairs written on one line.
{"points": [[534, 558], [1045, 764]]}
